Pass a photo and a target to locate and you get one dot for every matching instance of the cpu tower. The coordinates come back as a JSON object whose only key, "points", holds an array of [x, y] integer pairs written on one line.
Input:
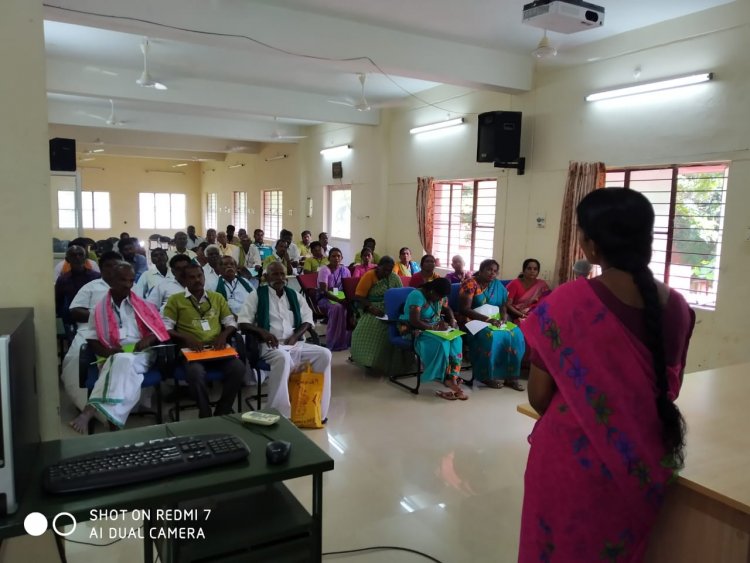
{"points": [[19, 411]]}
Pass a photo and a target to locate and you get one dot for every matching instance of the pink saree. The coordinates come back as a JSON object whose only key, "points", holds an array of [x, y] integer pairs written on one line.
{"points": [[597, 470], [525, 300]]}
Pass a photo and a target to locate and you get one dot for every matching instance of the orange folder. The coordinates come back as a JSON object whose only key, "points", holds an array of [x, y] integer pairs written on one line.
{"points": [[209, 354]]}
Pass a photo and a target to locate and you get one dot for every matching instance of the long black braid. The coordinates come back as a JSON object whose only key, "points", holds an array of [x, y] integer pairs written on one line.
{"points": [[620, 222]]}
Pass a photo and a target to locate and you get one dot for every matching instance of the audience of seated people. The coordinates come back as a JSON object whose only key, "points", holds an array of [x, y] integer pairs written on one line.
{"points": [[495, 354], [405, 267], [278, 315], [426, 309], [121, 328], [317, 260], [459, 273], [331, 279], [370, 346], [204, 293], [526, 291], [426, 272], [199, 318], [367, 263]]}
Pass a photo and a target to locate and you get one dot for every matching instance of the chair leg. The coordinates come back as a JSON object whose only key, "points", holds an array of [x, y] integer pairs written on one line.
{"points": [[176, 402], [259, 379], [394, 378]]}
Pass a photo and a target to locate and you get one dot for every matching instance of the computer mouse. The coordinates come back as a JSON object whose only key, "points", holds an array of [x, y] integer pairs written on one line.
{"points": [[278, 451]]}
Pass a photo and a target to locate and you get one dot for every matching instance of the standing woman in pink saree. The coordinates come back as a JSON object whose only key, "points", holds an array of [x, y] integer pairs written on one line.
{"points": [[527, 290], [607, 359]]}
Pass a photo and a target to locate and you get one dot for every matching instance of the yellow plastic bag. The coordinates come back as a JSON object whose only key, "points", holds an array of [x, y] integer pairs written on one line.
{"points": [[306, 395]]}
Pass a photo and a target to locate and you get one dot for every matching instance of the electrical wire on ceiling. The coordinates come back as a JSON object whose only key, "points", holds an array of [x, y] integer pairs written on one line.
{"points": [[262, 44]]}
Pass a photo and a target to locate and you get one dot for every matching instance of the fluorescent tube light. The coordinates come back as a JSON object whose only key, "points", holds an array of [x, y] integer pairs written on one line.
{"points": [[339, 150], [277, 157], [238, 165], [97, 150], [651, 87], [440, 125], [180, 165]]}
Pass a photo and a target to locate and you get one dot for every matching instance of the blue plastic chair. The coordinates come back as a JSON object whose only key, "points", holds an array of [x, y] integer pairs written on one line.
{"points": [[212, 375], [394, 305], [453, 304], [88, 373]]}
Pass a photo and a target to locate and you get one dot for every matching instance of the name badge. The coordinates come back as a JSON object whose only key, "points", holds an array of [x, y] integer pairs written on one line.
{"points": [[204, 325]]}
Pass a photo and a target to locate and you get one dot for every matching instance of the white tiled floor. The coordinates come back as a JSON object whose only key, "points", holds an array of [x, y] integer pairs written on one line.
{"points": [[442, 477]]}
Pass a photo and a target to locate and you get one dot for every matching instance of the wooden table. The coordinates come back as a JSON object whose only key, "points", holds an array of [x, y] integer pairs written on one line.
{"points": [[706, 517]]}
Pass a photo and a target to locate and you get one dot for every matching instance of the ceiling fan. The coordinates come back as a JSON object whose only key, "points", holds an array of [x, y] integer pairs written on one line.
{"points": [[112, 119], [146, 80], [278, 135], [360, 105]]}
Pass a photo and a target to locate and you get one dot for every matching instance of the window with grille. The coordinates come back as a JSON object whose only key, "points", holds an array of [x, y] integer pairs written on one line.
{"points": [[161, 211], [95, 211], [212, 209], [688, 204], [272, 212], [464, 221], [239, 210]]}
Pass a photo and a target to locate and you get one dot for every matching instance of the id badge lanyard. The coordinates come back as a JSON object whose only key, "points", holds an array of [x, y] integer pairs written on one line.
{"points": [[204, 322]]}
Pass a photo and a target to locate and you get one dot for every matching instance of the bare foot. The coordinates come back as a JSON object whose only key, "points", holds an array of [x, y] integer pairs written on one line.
{"points": [[81, 422]]}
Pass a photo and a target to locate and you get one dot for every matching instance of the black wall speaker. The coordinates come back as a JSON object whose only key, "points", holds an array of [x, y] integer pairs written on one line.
{"points": [[499, 136], [62, 155]]}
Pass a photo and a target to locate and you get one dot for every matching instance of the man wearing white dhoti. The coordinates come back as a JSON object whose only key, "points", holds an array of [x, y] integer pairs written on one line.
{"points": [[280, 317], [80, 307], [121, 329]]}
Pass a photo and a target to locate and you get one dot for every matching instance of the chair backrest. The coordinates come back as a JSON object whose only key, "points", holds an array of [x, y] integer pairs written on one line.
{"points": [[308, 281], [453, 297], [394, 300], [350, 287], [405, 280]]}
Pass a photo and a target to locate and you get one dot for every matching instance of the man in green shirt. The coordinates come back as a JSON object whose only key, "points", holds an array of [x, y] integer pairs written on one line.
{"points": [[199, 319]]}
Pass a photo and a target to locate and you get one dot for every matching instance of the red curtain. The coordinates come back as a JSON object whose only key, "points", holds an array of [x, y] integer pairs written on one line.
{"points": [[583, 178], [425, 211]]}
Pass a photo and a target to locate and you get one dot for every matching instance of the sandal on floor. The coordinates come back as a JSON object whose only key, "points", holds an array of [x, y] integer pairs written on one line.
{"points": [[515, 384], [447, 395], [493, 383], [460, 395]]}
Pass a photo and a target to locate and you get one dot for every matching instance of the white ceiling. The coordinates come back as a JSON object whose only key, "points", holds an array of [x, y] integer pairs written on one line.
{"points": [[224, 91]]}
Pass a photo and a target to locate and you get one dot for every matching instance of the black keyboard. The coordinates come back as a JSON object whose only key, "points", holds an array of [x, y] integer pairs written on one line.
{"points": [[142, 461]]}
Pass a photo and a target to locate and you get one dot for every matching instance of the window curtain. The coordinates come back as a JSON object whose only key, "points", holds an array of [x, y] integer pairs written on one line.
{"points": [[583, 178], [425, 211]]}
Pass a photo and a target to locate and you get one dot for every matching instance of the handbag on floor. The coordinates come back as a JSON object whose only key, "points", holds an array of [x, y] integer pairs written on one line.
{"points": [[305, 396]]}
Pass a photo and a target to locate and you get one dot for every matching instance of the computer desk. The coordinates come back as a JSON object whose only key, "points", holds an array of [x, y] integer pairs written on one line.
{"points": [[306, 458], [706, 515]]}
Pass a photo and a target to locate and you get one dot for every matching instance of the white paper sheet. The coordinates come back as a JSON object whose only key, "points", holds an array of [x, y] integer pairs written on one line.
{"points": [[475, 326]]}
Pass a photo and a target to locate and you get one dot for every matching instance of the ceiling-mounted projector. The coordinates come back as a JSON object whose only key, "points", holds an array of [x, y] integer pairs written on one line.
{"points": [[563, 16]]}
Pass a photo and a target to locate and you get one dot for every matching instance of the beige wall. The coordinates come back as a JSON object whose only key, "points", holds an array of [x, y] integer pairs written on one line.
{"points": [[124, 178], [24, 168], [254, 177]]}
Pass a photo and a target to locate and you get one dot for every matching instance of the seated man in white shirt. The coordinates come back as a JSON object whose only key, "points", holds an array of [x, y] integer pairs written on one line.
{"points": [[155, 275], [119, 320], [172, 284], [292, 249], [193, 239], [280, 318], [226, 248], [80, 308], [180, 246], [212, 269], [234, 288]]}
